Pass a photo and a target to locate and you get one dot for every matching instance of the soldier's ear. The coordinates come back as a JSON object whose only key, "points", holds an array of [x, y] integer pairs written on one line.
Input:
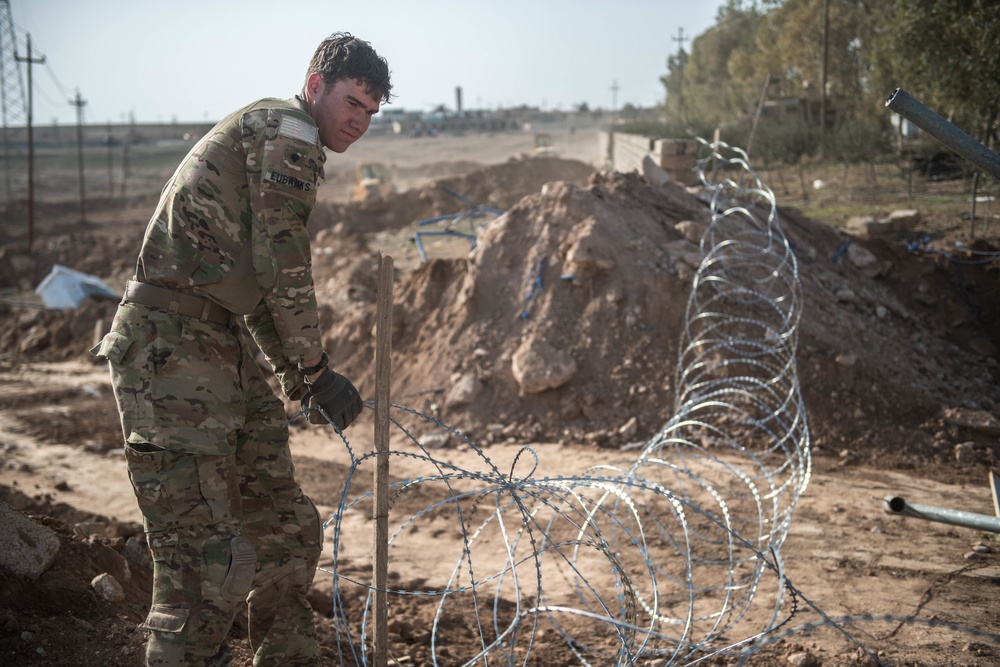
{"points": [[314, 85]]}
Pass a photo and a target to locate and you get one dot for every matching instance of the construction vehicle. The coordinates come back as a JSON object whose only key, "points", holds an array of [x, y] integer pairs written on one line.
{"points": [[373, 186], [543, 146]]}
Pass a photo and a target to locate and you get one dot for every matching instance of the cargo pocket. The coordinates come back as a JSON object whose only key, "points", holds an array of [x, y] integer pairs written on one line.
{"points": [[180, 488], [145, 470], [165, 619], [112, 347]]}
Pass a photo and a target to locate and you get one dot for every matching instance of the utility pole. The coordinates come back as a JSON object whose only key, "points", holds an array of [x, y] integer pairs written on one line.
{"points": [[111, 162], [760, 110], [125, 151], [680, 38], [31, 143], [681, 61], [826, 55], [614, 101], [79, 103]]}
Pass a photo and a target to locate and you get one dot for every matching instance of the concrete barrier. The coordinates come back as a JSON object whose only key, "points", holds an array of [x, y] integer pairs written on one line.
{"points": [[626, 153]]}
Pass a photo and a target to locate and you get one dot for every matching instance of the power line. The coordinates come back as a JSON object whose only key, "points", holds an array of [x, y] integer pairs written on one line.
{"points": [[62, 89], [62, 92]]}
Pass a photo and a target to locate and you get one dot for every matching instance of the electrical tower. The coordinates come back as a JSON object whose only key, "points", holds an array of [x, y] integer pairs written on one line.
{"points": [[13, 107]]}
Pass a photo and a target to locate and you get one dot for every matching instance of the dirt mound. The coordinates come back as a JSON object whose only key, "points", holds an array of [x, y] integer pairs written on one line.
{"points": [[53, 334], [563, 326], [93, 252], [564, 271]]}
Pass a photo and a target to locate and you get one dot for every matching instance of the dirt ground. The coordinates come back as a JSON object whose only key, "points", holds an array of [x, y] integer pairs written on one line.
{"points": [[898, 359]]}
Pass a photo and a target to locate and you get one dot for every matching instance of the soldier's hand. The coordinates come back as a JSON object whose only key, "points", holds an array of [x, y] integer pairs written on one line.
{"points": [[336, 396]]}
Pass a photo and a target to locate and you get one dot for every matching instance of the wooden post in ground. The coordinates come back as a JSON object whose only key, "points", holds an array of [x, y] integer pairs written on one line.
{"points": [[995, 490], [380, 510]]}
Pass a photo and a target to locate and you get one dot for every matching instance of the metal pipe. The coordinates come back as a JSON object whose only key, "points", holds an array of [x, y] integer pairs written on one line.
{"points": [[897, 505], [948, 134]]}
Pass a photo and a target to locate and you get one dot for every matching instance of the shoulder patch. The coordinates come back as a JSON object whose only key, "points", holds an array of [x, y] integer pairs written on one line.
{"points": [[296, 128]]}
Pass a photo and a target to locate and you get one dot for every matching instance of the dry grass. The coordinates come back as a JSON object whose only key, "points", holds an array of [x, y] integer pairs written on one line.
{"points": [[876, 190]]}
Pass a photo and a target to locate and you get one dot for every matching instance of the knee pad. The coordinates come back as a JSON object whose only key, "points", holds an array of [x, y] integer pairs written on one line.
{"points": [[242, 570], [313, 549]]}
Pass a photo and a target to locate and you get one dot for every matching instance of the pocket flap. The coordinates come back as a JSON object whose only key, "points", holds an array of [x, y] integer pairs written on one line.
{"points": [[166, 619], [112, 347]]}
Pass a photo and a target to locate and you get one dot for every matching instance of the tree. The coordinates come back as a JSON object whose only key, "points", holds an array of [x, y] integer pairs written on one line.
{"points": [[789, 47], [673, 82], [960, 77], [854, 142], [629, 112], [711, 95], [946, 53]]}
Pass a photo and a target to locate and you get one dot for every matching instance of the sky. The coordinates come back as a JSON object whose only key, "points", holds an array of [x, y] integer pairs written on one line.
{"points": [[198, 60]]}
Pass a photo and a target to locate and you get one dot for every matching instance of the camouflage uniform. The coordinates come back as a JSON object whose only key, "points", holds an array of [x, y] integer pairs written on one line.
{"points": [[206, 438]]}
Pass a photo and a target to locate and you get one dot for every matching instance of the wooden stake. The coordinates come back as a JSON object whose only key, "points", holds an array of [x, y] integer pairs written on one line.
{"points": [[380, 510], [995, 490]]}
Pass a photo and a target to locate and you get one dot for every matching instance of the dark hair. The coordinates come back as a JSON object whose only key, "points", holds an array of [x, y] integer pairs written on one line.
{"points": [[344, 56]]}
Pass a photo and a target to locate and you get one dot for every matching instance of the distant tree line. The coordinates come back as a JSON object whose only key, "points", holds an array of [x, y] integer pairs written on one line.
{"points": [[946, 53]]}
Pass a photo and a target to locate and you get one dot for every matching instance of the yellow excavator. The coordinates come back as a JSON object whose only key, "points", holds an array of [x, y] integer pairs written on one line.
{"points": [[543, 146], [373, 185]]}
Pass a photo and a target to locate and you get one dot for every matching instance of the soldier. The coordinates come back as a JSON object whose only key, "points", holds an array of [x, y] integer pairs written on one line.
{"points": [[206, 440]]}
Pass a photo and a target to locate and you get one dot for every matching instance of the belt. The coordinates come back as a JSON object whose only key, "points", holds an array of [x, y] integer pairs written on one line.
{"points": [[171, 301]]}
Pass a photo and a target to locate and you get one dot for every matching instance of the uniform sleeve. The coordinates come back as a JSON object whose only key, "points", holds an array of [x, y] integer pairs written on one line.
{"points": [[261, 327], [284, 165]]}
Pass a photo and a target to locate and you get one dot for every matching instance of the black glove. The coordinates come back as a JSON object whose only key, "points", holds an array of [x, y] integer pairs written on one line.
{"points": [[336, 396]]}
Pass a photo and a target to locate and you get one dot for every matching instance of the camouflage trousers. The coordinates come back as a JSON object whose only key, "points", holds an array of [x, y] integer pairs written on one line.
{"points": [[206, 442]]}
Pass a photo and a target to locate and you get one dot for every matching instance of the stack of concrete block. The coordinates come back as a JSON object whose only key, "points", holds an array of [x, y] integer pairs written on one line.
{"points": [[677, 157], [903, 220]]}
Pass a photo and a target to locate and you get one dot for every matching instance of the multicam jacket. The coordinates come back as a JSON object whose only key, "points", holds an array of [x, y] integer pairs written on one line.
{"points": [[231, 226]]}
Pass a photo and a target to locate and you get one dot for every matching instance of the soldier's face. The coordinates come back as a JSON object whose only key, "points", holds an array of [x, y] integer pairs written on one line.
{"points": [[342, 111]]}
